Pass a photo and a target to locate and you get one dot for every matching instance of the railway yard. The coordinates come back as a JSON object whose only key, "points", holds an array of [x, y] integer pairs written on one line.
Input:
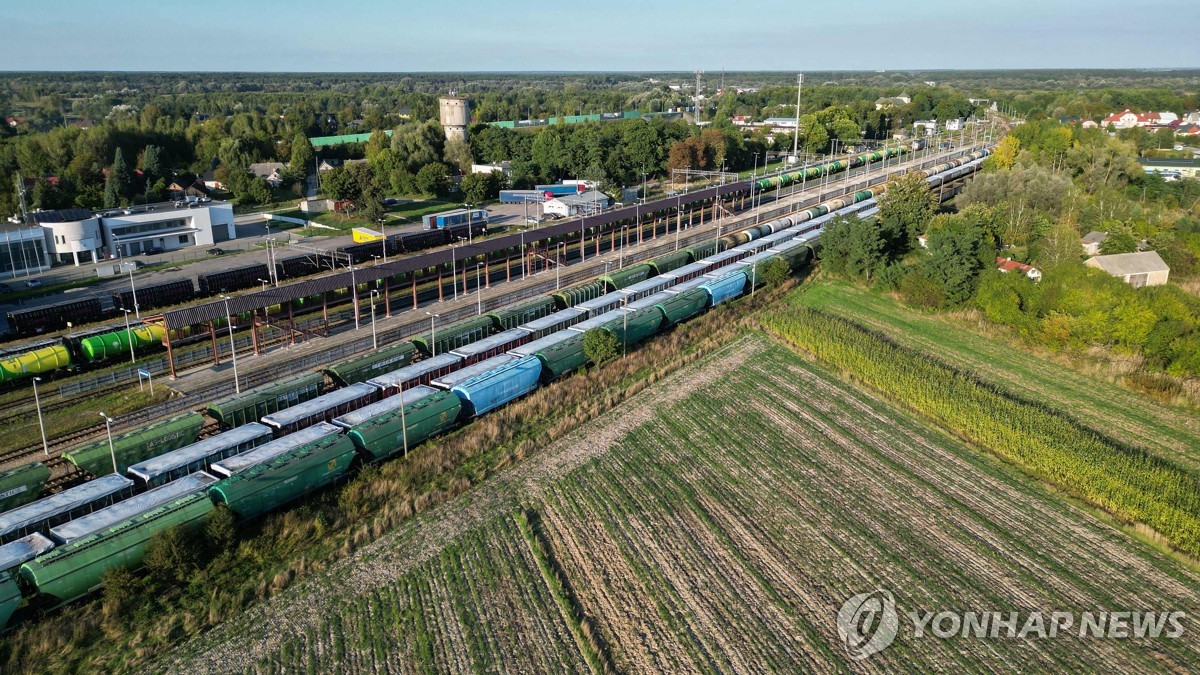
{"points": [[465, 367]]}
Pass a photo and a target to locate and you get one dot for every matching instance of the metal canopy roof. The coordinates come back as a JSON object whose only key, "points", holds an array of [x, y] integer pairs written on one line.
{"points": [[208, 311]]}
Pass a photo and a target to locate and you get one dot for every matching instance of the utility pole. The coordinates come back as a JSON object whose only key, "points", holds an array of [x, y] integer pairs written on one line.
{"points": [[697, 97], [796, 135]]}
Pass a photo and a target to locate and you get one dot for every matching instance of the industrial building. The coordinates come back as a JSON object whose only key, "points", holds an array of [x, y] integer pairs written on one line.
{"points": [[79, 235], [455, 114], [583, 203]]}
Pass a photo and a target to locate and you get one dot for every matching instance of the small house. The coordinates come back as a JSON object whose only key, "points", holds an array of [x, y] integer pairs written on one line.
{"points": [[1006, 265], [1091, 242], [1144, 268]]}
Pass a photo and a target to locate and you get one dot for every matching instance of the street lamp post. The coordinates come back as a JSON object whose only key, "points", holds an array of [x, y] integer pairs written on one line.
{"points": [[478, 290], [37, 402], [433, 334], [403, 421], [133, 290], [264, 282], [558, 266], [111, 451], [470, 237], [374, 339], [129, 336], [237, 387], [625, 326]]}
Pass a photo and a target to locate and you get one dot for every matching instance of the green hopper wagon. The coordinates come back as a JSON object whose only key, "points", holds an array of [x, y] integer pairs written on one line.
{"points": [[254, 404], [682, 306], [671, 261], [573, 295], [453, 336], [702, 250], [76, 569], [636, 326], [383, 436], [627, 277], [268, 486], [138, 445], [522, 313], [372, 365], [22, 485]]}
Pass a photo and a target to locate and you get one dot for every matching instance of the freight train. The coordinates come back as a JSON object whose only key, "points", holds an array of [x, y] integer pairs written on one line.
{"points": [[307, 440], [88, 310], [66, 353]]}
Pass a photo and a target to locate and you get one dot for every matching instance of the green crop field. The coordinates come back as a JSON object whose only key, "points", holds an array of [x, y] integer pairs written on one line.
{"points": [[1117, 412], [717, 522]]}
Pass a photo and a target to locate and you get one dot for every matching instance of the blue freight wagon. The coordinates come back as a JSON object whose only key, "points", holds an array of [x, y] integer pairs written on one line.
{"points": [[444, 219]]}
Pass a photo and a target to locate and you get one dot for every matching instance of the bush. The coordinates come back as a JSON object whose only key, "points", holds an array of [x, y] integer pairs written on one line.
{"points": [[220, 530], [600, 345], [172, 554]]}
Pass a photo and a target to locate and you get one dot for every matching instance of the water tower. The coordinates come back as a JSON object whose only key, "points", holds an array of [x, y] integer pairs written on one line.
{"points": [[455, 114]]}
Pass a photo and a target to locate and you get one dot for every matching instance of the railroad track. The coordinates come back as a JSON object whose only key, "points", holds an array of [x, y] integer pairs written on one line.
{"points": [[580, 271]]}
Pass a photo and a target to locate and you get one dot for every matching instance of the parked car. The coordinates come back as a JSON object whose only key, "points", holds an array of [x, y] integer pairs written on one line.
{"points": [[33, 283], [215, 251], [5, 288], [154, 250]]}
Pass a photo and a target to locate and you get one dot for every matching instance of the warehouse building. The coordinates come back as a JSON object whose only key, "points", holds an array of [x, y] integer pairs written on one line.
{"points": [[78, 235], [582, 204], [1145, 268]]}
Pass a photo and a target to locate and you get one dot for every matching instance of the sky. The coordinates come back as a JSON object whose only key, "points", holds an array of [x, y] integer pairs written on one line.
{"points": [[610, 35]]}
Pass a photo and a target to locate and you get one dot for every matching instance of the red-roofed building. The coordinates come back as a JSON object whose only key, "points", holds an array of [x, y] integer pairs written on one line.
{"points": [[1007, 265], [1121, 120], [1188, 130]]}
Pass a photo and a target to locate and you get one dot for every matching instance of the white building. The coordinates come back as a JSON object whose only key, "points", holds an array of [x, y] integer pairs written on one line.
{"points": [[71, 232], [780, 122], [504, 167], [584, 203], [930, 127], [955, 124], [78, 235]]}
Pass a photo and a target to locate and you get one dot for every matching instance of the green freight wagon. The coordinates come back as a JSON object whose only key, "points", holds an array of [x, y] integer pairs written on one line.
{"points": [[701, 250], [671, 261], [377, 363], [254, 404], [22, 485], [636, 325], [383, 436], [560, 353], [76, 569], [627, 277], [138, 445], [12, 556], [522, 313], [573, 295], [265, 487], [682, 306], [454, 335]]}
